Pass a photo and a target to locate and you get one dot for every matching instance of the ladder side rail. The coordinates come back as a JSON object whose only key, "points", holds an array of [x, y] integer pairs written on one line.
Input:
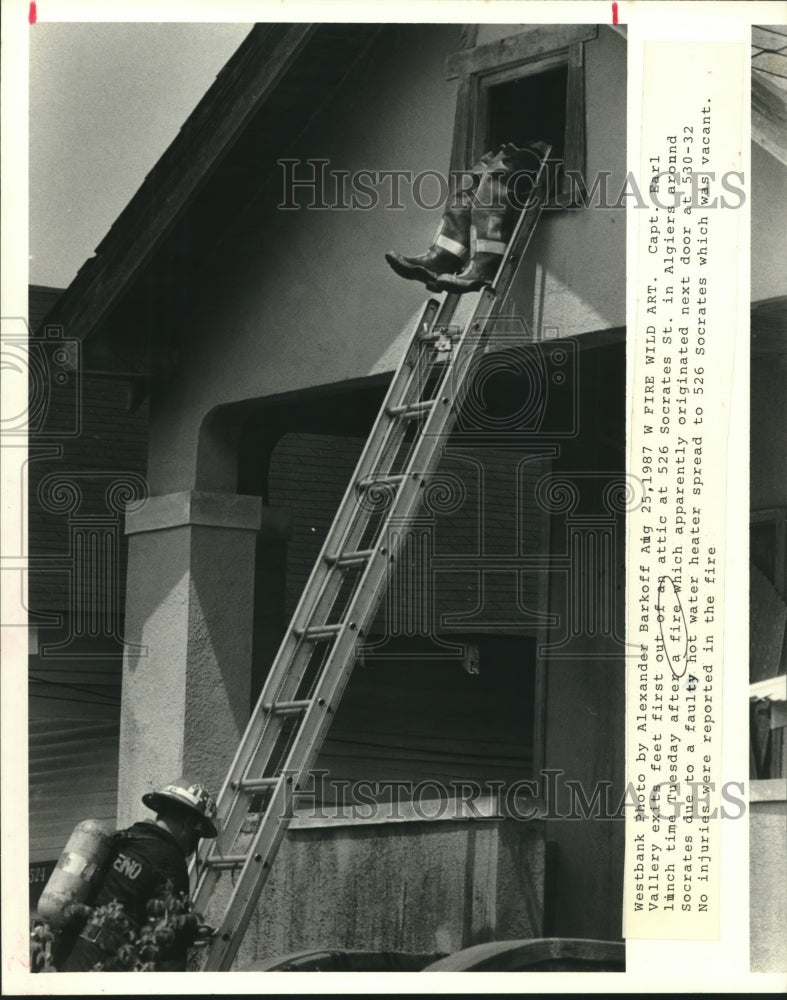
{"points": [[348, 511], [275, 686], [523, 233], [313, 599], [262, 725], [335, 675], [385, 437], [263, 731], [224, 945], [305, 612], [404, 504], [303, 753], [428, 312], [426, 454], [258, 754]]}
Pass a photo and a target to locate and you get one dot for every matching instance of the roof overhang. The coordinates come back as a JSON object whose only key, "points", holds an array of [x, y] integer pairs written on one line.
{"points": [[769, 328], [125, 296], [769, 116]]}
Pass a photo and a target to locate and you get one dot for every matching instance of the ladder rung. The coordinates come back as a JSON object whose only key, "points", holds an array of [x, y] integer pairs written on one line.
{"points": [[318, 632], [441, 333], [287, 707], [226, 863], [254, 784], [351, 558], [365, 484], [411, 409], [438, 348]]}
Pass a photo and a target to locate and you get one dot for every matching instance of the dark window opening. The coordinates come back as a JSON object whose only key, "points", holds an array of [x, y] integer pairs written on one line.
{"points": [[765, 551], [424, 719], [422, 704], [530, 108], [767, 646]]}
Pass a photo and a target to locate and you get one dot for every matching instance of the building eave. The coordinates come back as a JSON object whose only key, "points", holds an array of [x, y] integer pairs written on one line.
{"points": [[769, 116], [265, 65]]}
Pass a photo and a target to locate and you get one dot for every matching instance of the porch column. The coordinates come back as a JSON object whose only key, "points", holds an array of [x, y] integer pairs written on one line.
{"points": [[188, 633]]}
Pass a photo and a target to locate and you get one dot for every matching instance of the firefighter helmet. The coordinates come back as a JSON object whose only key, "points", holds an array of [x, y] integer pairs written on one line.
{"points": [[191, 794]]}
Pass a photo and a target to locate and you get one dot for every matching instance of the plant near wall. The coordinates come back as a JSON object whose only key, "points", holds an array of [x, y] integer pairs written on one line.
{"points": [[129, 948], [42, 941]]}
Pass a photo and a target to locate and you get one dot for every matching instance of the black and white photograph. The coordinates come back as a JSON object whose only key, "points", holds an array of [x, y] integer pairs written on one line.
{"points": [[385, 396], [768, 502]]}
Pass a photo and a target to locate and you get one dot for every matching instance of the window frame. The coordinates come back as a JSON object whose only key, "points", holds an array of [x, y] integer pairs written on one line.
{"points": [[486, 83], [775, 518], [516, 57], [771, 688]]}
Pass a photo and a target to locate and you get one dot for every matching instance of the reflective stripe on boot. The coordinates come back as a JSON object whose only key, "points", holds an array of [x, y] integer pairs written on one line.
{"points": [[451, 246], [486, 256]]}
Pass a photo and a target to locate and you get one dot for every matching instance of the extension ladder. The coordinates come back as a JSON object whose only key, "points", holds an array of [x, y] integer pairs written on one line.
{"points": [[316, 656]]}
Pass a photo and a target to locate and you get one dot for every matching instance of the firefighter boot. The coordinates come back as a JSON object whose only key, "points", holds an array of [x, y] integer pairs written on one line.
{"points": [[451, 247], [502, 194]]}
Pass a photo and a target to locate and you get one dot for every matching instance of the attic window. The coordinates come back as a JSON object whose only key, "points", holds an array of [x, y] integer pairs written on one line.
{"points": [[528, 108], [540, 100], [524, 87]]}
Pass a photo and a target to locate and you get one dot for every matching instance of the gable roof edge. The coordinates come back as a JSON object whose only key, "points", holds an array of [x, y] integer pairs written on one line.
{"points": [[237, 93]]}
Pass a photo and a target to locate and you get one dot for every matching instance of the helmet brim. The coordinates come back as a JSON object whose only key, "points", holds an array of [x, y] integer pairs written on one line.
{"points": [[158, 802]]}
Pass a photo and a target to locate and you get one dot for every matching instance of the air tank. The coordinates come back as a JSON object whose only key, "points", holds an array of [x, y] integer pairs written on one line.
{"points": [[78, 869]]}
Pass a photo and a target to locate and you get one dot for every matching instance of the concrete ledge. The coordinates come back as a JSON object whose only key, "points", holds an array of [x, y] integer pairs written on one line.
{"points": [[425, 886], [430, 811], [328, 815], [768, 790], [176, 510]]}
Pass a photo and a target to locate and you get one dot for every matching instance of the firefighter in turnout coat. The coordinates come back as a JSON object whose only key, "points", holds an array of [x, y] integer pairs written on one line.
{"points": [[148, 859]]}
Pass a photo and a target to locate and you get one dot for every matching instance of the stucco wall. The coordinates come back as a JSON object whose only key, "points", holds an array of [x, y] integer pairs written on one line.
{"points": [[304, 298], [768, 887], [574, 277], [186, 673], [423, 887], [768, 432]]}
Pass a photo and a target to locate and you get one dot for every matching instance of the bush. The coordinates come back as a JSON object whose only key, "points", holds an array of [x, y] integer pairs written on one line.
{"points": [[170, 921]]}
